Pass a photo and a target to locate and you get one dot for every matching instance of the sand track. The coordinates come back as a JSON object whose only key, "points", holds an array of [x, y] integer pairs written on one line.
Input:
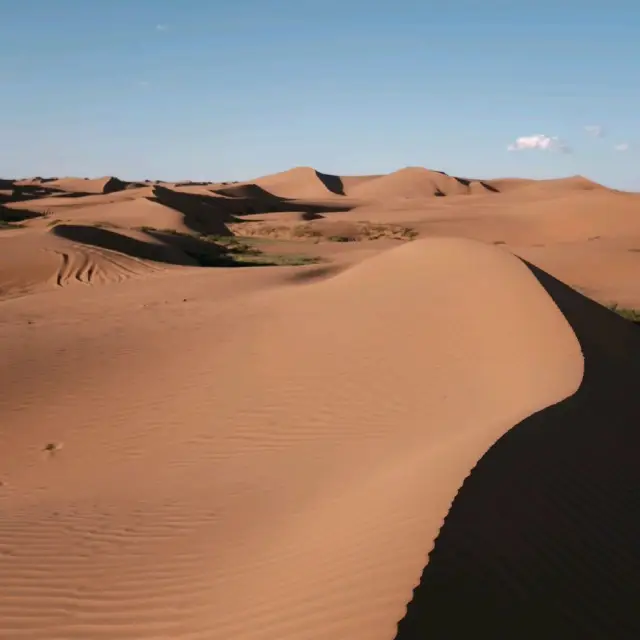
{"points": [[36, 262], [90, 266]]}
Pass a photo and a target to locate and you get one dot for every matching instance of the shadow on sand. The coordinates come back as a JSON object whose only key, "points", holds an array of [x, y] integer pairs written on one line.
{"points": [[251, 199], [172, 248], [541, 541], [17, 215]]}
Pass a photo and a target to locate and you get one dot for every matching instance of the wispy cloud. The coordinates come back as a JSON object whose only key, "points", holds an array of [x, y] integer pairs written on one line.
{"points": [[595, 130], [161, 27], [623, 146], [539, 141]]}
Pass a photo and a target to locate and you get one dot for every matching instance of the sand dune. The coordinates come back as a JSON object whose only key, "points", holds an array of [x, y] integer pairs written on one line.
{"points": [[47, 260], [107, 184], [411, 182], [572, 183], [173, 503], [189, 450], [417, 182], [564, 479], [308, 183]]}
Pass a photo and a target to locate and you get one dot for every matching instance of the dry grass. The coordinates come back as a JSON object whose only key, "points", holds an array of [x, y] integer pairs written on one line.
{"points": [[628, 314], [327, 231]]}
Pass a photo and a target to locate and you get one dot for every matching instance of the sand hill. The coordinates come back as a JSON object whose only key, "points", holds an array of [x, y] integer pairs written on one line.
{"points": [[309, 407], [416, 182]]}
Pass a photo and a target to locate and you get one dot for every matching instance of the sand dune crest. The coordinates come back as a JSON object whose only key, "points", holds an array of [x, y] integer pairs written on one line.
{"points": [[215, 521]]}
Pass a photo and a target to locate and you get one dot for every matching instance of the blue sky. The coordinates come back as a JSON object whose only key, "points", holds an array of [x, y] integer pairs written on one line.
{"points": [[211, 90]]}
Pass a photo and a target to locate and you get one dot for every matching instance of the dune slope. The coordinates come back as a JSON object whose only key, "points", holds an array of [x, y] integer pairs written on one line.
{"points": [[541, 540], [267, 464], [417, 182], [70, 254]]}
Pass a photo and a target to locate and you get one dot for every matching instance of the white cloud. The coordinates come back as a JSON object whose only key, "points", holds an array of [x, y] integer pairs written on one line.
{"points": [[623, 146], [595, 130], [539, 141], [161, 27]]}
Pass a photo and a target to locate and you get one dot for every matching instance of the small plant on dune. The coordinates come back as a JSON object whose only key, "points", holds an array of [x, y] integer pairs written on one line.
{"points": [[627, 314], [340, 239], [173, 232]]}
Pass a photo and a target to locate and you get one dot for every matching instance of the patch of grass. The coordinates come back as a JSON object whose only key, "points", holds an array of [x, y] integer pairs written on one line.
{"points": [[54, 222], [627, 314], [232, 251], [359, 231], [286, 260], [173, 232], [499, 242], [205, 259], [303, 230], [231, 244]]}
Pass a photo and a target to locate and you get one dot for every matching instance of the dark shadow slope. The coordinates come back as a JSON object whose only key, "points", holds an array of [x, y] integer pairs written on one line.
{"points": [[176, 248], [251, 199], [543, 538], [17, 215], [250, 192], [167, 253], [201, 213], [331, 183]]}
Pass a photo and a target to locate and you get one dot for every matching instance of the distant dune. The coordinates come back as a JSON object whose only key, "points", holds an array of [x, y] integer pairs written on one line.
{"points": [[107, 184], [305, 182], [416, 182], [308, 406]]}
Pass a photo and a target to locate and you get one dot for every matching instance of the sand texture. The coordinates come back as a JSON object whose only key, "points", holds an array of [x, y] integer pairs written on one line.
{"points": [[317, 407]]}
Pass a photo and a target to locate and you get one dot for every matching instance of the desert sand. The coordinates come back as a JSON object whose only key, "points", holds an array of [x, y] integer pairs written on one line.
{"points": [[318, 407]]}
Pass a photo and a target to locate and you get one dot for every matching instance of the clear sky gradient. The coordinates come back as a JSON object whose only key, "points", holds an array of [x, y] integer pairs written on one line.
{"points": [[212, 90]]}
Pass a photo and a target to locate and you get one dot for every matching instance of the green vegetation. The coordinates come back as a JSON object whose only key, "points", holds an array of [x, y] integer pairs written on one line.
{"points": [[172, 232], [231, 251], [231, 259], [628, 314], [318, 231]]}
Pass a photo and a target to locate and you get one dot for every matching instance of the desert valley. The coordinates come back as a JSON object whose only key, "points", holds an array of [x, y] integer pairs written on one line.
{"points": [[318, 407]]}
